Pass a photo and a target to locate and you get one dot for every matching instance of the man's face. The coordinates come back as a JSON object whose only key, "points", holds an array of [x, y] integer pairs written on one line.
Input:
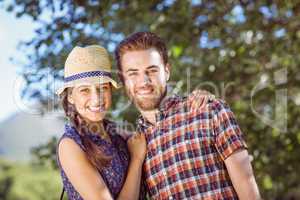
{"points": [[145, 77]]}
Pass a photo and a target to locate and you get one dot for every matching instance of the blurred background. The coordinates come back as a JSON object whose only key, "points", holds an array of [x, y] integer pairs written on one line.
{"points": [[246, 52]]}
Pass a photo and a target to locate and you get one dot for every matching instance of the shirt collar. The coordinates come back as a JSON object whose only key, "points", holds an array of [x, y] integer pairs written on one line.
{"points": [[167, 102]]}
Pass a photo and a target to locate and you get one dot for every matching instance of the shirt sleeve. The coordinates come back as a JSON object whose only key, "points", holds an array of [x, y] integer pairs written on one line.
{"points": [[227, 133]]}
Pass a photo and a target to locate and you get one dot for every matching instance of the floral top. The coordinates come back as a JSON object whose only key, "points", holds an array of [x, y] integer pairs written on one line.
{"points": [[115, 173]]}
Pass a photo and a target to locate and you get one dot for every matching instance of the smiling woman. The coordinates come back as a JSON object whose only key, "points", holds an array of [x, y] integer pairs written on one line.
{"points": [[102, 166]]}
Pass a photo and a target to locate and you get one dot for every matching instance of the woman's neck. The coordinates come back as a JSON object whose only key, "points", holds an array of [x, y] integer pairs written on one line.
{"points": [[96, 128]]}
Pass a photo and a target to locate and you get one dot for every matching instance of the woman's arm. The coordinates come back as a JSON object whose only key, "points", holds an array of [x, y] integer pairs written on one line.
{"points": [[83, 176], [131, 188], [137, 148], [86, 179]]}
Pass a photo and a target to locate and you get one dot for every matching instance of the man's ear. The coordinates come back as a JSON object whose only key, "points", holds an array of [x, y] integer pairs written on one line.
{"points": [[167, 69]]}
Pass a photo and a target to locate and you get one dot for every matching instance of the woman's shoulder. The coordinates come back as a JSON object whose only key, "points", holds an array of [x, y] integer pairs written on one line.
{"points": [[70, 134], [68, 144]]}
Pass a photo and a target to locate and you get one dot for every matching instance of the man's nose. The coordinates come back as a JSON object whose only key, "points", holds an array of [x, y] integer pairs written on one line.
{"points": [[145, 79]]}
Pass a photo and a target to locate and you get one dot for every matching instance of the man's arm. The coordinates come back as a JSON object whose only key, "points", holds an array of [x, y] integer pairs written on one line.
{"points": [[233, 150], [241, 174]]}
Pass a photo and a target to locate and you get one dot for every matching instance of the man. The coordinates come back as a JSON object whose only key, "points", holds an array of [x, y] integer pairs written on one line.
{"points": [[195, 147]]}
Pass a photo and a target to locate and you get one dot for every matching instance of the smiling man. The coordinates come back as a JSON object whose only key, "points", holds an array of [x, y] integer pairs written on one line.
{"points": [[195, 147]]}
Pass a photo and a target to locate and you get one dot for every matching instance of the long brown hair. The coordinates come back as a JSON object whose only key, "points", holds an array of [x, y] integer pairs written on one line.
{"points": [[95, 154]]}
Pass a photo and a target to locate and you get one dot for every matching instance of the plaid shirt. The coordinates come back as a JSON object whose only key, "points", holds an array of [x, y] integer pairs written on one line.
{"points": [[187, 147]]}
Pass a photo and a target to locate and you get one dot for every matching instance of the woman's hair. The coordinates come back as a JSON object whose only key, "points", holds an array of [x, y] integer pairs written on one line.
{"points": [[94, 153]]}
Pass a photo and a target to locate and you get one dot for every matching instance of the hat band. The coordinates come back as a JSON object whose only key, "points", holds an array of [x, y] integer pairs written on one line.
{"points": [[87, 74]]}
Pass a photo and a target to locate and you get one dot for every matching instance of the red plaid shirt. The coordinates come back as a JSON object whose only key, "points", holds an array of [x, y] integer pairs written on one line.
{"points": [[187, 147]]}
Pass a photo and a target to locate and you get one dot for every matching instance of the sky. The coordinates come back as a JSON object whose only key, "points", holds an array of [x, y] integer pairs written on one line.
{"points": [[12, 31]]}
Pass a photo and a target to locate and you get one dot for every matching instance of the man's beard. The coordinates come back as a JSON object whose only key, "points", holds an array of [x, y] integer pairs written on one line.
{"points": [[150, 102]]}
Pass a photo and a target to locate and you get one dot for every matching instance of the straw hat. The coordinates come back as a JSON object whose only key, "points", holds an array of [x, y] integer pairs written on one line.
{"points": [[90, 65]]}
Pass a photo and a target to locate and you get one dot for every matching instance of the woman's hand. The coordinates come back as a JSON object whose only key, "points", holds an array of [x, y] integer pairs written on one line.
{"points": [[199, 98], [137, 146]]}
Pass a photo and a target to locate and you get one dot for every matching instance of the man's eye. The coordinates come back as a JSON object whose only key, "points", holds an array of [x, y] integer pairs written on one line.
{"points": [[132, 74], [153, 71]]}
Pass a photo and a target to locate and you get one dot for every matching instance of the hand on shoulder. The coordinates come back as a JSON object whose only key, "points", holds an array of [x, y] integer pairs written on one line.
{"points": [[137, 146], [199, 98]]}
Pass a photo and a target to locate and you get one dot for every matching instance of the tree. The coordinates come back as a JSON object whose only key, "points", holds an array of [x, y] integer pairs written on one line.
{"points": [[6, 180], [244, 51]]}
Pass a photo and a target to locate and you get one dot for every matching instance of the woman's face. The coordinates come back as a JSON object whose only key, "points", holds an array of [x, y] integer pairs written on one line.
{"points": [[91, 101]]}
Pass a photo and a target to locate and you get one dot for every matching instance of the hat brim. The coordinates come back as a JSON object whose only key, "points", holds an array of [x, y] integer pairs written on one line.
{"points": [[88, 80]]}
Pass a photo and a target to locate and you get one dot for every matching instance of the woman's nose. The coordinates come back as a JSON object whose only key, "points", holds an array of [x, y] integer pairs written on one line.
{"points": [[96, 97]]}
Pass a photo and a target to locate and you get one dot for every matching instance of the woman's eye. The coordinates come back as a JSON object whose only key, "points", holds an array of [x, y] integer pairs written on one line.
{"points": [[105, 88], [101, 89], [86, 90]]}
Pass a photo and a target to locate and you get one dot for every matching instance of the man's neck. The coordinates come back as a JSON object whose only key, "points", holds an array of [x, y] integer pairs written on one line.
{"points": [[150, 115]]}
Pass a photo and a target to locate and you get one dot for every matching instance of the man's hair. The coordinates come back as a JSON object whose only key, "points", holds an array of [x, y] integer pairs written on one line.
{"points": [[141, 41]]}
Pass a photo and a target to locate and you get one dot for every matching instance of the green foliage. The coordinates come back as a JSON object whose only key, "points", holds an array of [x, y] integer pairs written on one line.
{"points": [[21, 181], [235, 49], [6, 181], [45, 154]]}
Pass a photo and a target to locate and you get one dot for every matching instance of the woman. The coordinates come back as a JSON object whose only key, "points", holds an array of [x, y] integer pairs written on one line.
{"points": [[94, 160]]}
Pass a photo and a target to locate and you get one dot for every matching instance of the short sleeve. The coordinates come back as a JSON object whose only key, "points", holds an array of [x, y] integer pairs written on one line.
{"points": [[227, 133]]}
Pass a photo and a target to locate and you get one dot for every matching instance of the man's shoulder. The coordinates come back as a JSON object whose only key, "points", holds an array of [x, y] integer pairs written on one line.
{"points": [[204, 100], [199, 101]]}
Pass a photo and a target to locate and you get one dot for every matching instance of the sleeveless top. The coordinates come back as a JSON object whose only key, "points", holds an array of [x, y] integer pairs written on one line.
{"points": [[115, 173]]}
